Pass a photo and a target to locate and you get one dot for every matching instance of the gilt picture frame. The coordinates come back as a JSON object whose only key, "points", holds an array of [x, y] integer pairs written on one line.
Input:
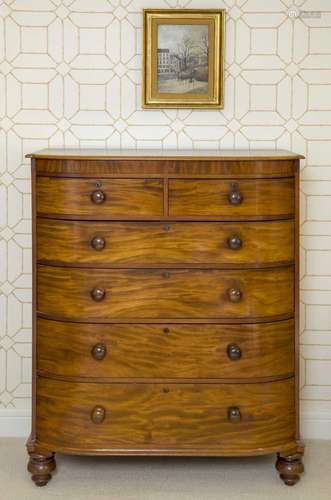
{"points": [[183, 58]]}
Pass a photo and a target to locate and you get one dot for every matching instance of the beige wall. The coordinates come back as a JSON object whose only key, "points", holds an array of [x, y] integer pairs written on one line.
{"points": [[72, 77]]}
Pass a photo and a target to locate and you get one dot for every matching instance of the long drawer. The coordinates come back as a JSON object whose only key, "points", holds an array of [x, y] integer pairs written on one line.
{"points": [[223, 417], [165, 350], [160, 244], [243, 199], [108, 295], [99, 199]]}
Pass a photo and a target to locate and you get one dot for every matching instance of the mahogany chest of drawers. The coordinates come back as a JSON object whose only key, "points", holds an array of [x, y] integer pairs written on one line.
{"points": [[165, 305]]}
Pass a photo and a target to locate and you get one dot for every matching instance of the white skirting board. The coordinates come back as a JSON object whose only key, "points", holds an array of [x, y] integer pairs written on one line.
{"points": [[315, 425], [17, 423]]}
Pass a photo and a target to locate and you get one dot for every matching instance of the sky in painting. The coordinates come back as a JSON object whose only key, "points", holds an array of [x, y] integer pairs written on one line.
{"points": [[170, 35]]}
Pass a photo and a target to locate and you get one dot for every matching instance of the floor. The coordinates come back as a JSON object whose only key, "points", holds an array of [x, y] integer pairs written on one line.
{"points": [[93, 478]]}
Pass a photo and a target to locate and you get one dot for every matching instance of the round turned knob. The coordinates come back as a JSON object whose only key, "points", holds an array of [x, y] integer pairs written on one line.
{"points": [[98, 197], [234, 352], [98, 294], [234, 242], [235, 197], [234, 295], [99, 351], [234, 414], [98, 243], [98, 415]]}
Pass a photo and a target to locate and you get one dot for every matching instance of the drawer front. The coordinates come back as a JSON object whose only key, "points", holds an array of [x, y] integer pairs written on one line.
{"points": [[164, 165], [105, 198], [228, 417], [105, 295], [231, 199], [166, 350], [160, 244]]}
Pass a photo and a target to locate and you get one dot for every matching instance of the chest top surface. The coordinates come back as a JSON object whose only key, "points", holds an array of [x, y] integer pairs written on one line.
{"points": [[157, 154]]}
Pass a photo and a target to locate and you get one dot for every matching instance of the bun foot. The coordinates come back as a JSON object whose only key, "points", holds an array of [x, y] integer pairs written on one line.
{"points": [[290, 468], [41, 467]]}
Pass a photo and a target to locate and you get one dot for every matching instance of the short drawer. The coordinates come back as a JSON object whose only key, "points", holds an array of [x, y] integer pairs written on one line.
{"points": [[99, 198], [160, 244], [221, 417], [108, 295], [165, 350], [231, 199]]}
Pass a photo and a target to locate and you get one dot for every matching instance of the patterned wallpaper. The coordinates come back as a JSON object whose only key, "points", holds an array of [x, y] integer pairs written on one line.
{"points": [[70, 74]]}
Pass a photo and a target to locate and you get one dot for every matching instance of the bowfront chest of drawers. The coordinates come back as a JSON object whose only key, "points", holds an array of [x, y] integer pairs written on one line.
{"points": [[165, 305]]}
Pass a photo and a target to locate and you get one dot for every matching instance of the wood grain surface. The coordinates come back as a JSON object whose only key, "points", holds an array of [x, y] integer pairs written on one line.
{"points": [[158, 244], [173, 167], [166, 350], [152, 416], [123, 197], [65, 293], [264, 197]]}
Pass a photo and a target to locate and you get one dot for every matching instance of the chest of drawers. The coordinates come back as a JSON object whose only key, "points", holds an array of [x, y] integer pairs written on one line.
{"points": [[165, 305]]}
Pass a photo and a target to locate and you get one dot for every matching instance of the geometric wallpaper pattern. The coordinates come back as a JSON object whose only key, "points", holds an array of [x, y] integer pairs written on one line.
{"points": [[70, 75]]}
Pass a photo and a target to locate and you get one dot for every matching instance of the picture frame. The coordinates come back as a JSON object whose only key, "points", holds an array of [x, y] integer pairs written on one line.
{"points": [[183, 58]]}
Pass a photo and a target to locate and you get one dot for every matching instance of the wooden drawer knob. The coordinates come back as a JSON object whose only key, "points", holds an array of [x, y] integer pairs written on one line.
{"points": [[234, 352], [99, 352], [98, 243], [98, 294], [98, 197], [98, 415], [234, 295], [234, 414], [235, 197], [234, 242]]}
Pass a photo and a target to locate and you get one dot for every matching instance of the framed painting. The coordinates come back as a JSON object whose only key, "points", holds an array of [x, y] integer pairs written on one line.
{"points": [[183, 58]]}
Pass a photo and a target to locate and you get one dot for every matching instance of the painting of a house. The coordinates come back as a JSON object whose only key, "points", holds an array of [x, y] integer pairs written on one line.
{"points": [[182, 58]]}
